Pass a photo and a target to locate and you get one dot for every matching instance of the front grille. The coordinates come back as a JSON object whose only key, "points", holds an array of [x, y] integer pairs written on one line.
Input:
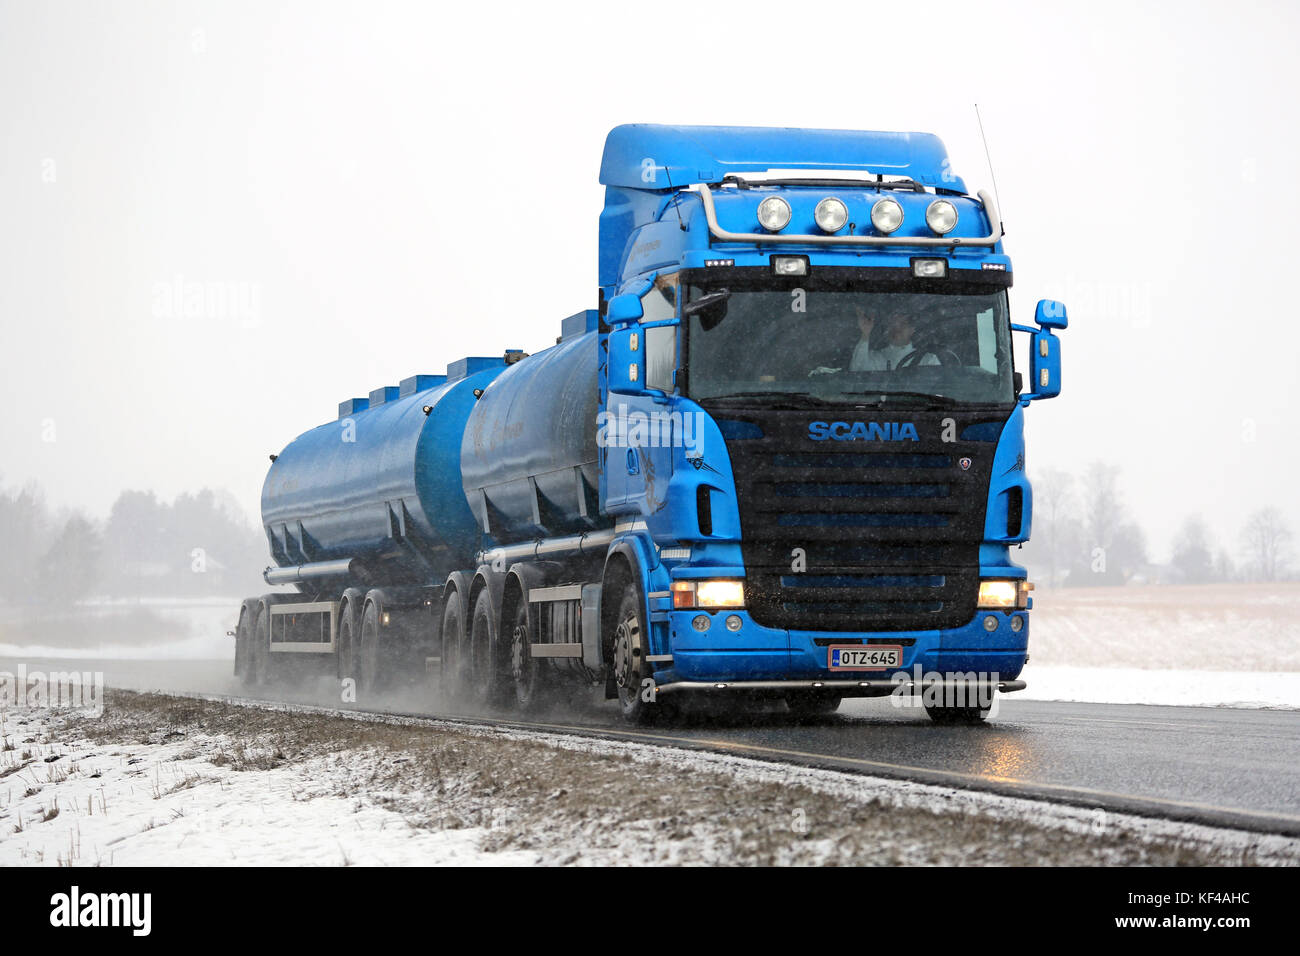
{"points": [[860, 536]]}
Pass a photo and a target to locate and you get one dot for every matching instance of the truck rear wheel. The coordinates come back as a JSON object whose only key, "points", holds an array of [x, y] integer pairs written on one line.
{"points": [[632, 676], [528, 671]]}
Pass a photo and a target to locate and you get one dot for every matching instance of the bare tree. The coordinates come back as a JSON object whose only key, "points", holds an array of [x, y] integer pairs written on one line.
{"points": [[26, 528], [1266, 542], [1103, 509], [1115, 547], [1193, 557], [1056, 531]]}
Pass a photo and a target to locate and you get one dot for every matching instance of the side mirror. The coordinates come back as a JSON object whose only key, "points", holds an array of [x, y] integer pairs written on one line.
{"points": [[1050, 314], [626, 356], [624, 308]]}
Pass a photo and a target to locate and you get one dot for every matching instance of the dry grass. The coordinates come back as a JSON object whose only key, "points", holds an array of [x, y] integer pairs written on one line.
{"points": [[569, 806]]}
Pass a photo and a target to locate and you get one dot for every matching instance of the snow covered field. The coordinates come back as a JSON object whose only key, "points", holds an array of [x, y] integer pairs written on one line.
{"points": [[151, 629], [178, 781], [1214, 627]]}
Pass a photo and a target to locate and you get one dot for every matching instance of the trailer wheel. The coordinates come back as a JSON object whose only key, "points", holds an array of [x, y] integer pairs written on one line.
{"points": [[957, 715], [372, 675], [348, 655], [243, 648], [632, 676], [260, 649], [529, 672], [451, 672], [489, 671]]}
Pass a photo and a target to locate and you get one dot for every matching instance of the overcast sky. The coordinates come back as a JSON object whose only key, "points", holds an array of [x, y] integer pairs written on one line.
{"points": [[364, 191]]}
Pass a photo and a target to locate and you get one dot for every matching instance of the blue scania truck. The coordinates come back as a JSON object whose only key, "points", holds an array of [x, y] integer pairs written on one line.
{"points": [[783, 457]]}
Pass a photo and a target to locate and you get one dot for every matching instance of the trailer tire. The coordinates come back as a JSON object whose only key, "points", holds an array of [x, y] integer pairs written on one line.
{"points": [[260, 648], [451, 671], [244, 647], [489, 667], [373, 674], [348, 661]]}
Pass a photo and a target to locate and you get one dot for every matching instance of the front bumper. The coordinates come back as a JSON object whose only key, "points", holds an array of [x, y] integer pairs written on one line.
{"points": [[764, 658]]}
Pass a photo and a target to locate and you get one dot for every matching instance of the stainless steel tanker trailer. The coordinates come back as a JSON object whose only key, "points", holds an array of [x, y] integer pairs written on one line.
{"points": [[783, 458]]}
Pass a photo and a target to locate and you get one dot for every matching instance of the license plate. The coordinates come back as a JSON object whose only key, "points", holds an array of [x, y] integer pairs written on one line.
{"points": [[864, 657]]}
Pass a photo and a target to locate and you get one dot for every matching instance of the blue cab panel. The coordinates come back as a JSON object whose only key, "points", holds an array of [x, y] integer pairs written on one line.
{"points": [[648, 156]]}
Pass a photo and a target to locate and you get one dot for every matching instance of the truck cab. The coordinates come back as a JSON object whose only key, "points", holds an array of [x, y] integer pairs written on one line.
{"points": [[811, 418]]}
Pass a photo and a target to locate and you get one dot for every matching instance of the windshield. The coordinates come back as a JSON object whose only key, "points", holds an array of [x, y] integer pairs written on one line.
{"points": [[851, 344]]}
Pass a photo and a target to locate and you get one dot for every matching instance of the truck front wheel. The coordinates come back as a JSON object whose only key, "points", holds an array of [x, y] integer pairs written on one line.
{"points": [[632, 676]]}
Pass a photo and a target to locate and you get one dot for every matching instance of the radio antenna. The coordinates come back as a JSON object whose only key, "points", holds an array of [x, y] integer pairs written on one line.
{"points": [[989, 160], [676, 208]]}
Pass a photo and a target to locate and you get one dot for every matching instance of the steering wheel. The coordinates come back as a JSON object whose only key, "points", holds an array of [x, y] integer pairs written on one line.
{"points": [[945, 357]]}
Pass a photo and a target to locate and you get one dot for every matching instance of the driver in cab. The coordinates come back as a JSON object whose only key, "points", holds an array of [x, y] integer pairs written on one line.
{"points": [[897, 329]]}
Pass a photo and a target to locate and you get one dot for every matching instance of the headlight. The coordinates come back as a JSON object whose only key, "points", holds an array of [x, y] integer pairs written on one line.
{"points": [[831, 215], [1005, 594], [774, 214], [886, 215], [941, 216], [708, 594]]}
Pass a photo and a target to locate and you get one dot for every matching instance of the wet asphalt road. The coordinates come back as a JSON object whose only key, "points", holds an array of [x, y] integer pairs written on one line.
{"points": [[1216, 766]]}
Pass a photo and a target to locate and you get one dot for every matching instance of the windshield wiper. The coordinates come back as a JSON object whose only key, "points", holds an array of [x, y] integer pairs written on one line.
{"points": [[777, 399], [944, 401]]}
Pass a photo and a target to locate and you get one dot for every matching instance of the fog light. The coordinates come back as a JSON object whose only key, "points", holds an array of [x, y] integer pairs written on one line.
{"points": [[701, 622], [831, 215], [1017, 624], [990, 623], [886, 215], [774, 214], [941, 216], [733, 622]]}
